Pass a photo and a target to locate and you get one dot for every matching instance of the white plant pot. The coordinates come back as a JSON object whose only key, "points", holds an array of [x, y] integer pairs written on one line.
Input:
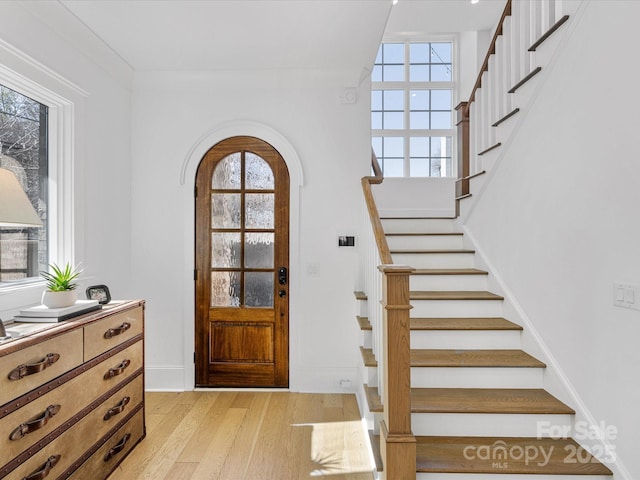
{"points": [[59, 299]]}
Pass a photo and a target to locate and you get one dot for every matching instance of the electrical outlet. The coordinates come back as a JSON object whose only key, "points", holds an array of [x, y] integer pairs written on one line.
{"points": [[344, 383], [626, 295]]}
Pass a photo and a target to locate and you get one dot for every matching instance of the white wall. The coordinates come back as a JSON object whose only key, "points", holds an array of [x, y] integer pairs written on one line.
{"points": [[428, 197], [99, 95], [172, 114], [558, 218]]}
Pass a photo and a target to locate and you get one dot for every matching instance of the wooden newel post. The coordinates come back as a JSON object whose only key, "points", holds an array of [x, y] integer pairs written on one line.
{"points": [[462, 123], [397, 442]]}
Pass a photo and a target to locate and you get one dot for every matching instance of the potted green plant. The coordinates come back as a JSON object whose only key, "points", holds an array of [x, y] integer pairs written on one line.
{"points": [[61, 286]]}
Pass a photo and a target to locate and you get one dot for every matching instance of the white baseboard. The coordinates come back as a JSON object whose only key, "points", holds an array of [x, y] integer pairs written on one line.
{"points": [[305, 380], [322, 380]]}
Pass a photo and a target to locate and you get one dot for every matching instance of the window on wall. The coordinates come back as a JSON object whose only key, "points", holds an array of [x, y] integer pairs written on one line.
{"points": [[24, 252], [412, 108]]}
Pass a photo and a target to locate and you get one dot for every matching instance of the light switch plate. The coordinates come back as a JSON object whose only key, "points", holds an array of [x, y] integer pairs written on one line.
{"points": [[626, 295]]}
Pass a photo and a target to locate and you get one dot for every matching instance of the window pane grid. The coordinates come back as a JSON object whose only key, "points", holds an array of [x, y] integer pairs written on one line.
{"points": [[24, 251], [417, 106], [389, 65], [242, 232]]}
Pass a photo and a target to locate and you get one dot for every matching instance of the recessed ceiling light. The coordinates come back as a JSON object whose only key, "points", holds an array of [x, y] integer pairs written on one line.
{"points": [[395, 1], [474, 1]]}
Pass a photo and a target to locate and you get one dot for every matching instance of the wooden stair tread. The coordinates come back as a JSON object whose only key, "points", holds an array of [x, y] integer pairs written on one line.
{"points": [[423, 234], [474, 175], [364, 323], [374, 402], [374, 440], [474, 358], [368, 357], [432, 251], [447, 455], [477, 400], [360, 295], [448, 271], [453, 295], [463, 358], [468, 323], [417, 218]]}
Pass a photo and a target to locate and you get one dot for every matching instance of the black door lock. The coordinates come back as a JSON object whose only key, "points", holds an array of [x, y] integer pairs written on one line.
{"points": [[282, 276]]}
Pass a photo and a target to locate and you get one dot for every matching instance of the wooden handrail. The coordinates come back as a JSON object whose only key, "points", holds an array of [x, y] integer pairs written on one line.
{"points": [[492, 49], [374, 215], [375, 165]]}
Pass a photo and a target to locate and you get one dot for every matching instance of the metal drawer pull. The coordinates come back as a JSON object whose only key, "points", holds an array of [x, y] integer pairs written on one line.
{"points": [[118, 448], [112, 332], [117, 409], [35, 424], [22, 371], [44, 470], [117, 370]]}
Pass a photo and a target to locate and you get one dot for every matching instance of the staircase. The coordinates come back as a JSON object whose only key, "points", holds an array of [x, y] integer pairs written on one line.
{"points": [[478, 406]]}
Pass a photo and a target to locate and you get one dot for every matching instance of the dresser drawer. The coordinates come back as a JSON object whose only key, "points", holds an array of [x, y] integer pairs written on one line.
{"points": [[37, 364], [101, 463], [116, 407], [107, 333], [76, 440], [29, 424]]}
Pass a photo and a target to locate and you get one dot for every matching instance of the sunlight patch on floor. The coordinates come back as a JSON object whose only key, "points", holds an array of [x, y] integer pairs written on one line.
{"points": [[338, 448]]}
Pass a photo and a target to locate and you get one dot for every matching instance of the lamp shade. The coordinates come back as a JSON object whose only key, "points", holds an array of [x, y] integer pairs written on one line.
{"points": [[15, 208]]}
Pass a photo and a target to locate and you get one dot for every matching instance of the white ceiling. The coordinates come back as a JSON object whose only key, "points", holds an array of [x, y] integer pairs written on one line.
{"points": [[265, 34]]}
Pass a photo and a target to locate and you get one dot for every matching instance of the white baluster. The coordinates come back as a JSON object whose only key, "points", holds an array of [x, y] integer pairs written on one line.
{"points": [[508, 75], [535, 20], [498, 79]]}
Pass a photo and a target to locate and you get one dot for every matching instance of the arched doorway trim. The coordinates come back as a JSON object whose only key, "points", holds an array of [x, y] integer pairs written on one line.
{"points": [[187, 180], [240, 128]]}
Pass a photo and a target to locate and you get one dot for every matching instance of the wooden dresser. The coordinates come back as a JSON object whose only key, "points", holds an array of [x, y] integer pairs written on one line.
{"points": [[72, 395]]}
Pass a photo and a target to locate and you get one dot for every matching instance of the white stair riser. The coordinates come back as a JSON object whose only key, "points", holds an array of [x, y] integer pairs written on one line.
{"points": [[436, 283], [484, 425], [371, 375], [456, 308], [476, 377], [425, 241], [366, 338], [434, 260], [499, 476], [465, 339], [418, 225]]}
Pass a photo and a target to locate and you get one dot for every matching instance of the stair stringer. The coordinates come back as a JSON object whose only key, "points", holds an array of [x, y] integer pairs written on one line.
{"points": [[555, 381], [550, 51]]}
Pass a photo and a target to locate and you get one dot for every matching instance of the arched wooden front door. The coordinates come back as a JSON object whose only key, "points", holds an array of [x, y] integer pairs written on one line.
{"points": [[242, 266]]}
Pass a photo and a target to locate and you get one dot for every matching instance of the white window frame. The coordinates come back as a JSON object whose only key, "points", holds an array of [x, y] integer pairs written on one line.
{"points": [[406, 86], [27, 76]]}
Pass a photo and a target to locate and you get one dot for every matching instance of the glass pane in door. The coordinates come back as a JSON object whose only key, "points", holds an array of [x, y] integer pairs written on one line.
{"points": [[258, 250], [225, 250], [225, 210], [259, 210], [258, 173], [226, 176], [258, 289], [225, 289]]}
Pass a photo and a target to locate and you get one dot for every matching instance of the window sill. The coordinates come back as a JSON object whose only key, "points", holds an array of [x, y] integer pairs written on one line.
{"points": [[14, 297]]}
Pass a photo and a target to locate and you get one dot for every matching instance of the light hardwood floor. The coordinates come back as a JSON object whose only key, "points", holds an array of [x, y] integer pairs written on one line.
{"points": [[249, 436]]}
